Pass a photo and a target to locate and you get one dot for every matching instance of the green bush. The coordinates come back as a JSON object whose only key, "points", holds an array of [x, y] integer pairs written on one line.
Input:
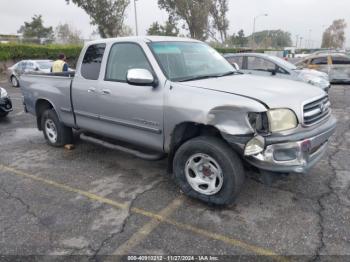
{"points": [[31, 51], [14, 51]]}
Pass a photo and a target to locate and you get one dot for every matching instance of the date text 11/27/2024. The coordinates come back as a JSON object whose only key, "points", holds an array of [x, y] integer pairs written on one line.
{"points": [[173, 258]]}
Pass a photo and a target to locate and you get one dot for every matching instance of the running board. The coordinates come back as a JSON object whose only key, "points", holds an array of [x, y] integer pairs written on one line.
{"points": [[145, 156]]}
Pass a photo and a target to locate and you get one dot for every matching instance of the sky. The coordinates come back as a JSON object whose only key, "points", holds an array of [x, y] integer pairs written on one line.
{"points": [[306, 18]]}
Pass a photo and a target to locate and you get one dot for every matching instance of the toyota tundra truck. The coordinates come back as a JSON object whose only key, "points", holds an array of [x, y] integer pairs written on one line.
{"points": [[158, 97]]}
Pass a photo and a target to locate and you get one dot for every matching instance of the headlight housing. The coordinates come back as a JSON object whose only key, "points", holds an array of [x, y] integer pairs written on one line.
{"points": [[281, 119], [3, 93], [259, 122]]}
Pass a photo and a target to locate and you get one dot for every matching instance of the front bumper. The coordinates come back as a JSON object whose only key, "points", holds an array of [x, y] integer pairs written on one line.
{"points": [[5, 104], [295, 153]]}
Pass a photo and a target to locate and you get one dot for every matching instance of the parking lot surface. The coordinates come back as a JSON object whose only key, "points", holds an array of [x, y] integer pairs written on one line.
{"points": [[94, 201]]}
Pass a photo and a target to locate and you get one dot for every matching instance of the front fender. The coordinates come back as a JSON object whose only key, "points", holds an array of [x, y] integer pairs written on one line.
{"points": [[231, 120], [225, 111]]}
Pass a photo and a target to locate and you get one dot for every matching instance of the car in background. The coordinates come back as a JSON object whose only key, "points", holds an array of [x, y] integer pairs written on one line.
{"points": [[5, 103], [336, 65], [25, 66], [269, 65]]}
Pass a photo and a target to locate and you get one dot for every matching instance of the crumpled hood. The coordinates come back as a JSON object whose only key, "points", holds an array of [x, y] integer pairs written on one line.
{"points": [[274, 92]]}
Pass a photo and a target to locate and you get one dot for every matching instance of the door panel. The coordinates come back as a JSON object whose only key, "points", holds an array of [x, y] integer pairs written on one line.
{"points": [[85, 89], [131, 113]]}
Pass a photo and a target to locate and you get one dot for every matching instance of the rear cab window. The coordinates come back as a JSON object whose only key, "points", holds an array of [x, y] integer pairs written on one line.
{"points": [[91, 65]]}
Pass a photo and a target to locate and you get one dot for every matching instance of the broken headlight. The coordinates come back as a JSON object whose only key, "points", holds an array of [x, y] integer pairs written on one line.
{"points": [[259, 122]]}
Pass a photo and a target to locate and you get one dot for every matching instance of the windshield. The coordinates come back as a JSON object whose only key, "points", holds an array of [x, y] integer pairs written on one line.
{"points": [[283, 62], [44, 64], [185, 61]]}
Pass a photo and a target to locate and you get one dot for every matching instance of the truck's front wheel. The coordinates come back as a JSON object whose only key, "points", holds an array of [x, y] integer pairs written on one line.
{"points": [[56, 134], [206, 168]]}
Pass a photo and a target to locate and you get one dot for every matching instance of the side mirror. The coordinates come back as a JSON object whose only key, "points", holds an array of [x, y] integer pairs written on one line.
{"points": [[236, 66], [36, 69], [273, 72], [140, 77]]}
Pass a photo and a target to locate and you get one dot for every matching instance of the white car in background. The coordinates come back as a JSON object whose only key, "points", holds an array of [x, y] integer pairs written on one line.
{"points": [[268, 65], [26, 66]]}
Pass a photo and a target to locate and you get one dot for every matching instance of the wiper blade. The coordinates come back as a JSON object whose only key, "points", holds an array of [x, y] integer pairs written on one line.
{"points": [[227, 74], [198, 78], [230, 73], [209, 76]]}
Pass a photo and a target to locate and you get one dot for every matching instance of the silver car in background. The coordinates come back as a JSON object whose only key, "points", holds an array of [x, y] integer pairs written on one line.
{"points": [[336, 65], [268, 65], [14, 72]]}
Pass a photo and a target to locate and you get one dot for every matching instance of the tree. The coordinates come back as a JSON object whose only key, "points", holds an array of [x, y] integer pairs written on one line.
{"points": [[334, 36], [195, 14], [239, 40], [107, 15], [169, 29], [36, 30], [220, 23], [272, 39], [66, 34]]}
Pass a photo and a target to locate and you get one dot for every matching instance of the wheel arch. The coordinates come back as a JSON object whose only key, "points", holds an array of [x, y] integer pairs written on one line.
{"points": [[186, 131], [41, 105]]}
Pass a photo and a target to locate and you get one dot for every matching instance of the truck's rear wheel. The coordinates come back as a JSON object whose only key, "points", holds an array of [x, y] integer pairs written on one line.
{"points": [[206, 168], [56, 134]]}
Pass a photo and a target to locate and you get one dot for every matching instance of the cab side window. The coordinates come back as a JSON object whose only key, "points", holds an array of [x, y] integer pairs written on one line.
{"points": [[91, 66], [319, 61], [122, 58], [260, 64]]}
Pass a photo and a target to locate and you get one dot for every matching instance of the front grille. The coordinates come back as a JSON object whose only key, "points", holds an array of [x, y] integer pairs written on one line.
{"points": [[316, 111]]}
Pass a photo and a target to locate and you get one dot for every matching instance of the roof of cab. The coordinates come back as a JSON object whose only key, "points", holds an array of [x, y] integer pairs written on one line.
{"points": [[143, 39]]}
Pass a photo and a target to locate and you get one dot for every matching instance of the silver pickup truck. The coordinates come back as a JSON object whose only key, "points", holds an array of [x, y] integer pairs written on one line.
{"points": [[160, 96]]}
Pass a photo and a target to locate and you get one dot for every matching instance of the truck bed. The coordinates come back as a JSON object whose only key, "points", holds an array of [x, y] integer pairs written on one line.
{"points": [[54, 87]]}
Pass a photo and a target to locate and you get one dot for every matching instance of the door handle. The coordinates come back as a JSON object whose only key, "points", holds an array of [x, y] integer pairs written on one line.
{"points": [[106, 92], [92, 90]]}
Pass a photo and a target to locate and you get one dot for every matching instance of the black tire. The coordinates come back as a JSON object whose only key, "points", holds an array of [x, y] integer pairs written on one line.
{"points": [[227, 159], [64, 135], [14, 81], [3, 114]]}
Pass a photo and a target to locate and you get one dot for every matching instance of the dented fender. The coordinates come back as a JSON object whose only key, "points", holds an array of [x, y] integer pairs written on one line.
{"points": [[226, 112]]}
